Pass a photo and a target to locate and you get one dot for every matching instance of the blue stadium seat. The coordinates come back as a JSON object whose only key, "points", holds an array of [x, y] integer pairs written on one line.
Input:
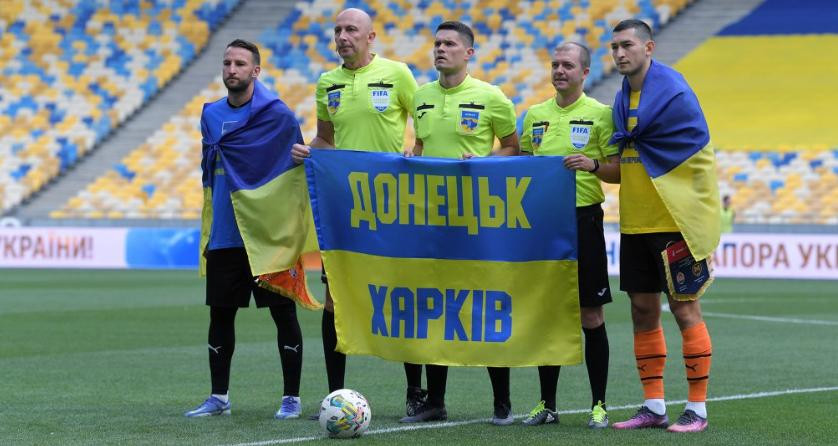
{"points": [[76, 77], [512, 51]]}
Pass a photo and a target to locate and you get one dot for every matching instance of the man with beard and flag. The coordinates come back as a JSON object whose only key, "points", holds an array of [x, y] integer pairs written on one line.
{"points": [[253, 223]]}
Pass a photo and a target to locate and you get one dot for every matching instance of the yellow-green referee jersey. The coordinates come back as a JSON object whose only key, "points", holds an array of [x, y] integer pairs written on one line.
{"points": [[464, 119], [582, 127], [368, 106]]}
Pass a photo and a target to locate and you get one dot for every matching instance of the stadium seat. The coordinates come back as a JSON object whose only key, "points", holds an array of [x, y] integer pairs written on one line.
{"points": [[513, 42], [73, 71]]}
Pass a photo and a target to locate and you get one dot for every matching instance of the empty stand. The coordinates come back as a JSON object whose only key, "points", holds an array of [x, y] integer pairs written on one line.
{"points": [[514, 39], [72, 71]]}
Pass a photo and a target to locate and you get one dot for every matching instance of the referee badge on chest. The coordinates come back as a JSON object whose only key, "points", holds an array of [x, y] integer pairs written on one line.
{"points": [[380, 95], [469, 120], [380, 99], [333, 101], [580, 133], [538, 131]]}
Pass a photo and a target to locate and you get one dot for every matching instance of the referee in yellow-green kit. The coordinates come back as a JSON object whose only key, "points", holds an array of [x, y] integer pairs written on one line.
{"points": [[578, 127], [459, 117], [361, 105]]}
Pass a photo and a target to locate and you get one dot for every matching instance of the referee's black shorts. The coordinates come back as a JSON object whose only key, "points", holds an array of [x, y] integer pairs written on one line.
{"points": [[594, 289], [641, 262], [230, 282]]}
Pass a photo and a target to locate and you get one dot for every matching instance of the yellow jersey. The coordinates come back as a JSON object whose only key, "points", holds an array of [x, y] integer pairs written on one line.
{"points": [[641, 209]]}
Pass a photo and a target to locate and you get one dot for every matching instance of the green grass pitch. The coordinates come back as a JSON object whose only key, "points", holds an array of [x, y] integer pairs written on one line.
{"points": [[116, 357]]}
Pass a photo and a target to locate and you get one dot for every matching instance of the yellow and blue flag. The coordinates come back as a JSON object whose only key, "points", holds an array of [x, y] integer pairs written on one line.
{"points": [[267, 190], [439, 261], [673, 141], [787, 107]]}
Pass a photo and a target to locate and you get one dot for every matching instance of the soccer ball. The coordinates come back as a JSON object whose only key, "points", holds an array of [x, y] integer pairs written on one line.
{"points": [[345, 413]]}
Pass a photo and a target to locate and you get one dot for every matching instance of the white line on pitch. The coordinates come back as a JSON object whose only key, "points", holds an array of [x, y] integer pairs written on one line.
{"points": [[412, 427], [750, 300], [788, 320]]}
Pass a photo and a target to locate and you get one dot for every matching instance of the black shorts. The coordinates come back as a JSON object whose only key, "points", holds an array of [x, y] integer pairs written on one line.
{"points": [[230, 282], [641, 263], [594, 289]]}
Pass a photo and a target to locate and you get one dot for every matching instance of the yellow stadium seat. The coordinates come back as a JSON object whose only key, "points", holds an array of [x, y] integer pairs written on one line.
{"points": [[169, 159]]}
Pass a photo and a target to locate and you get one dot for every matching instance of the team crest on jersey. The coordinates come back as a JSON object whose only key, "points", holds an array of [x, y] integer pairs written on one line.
{"points": [[469, 120], [580, 133], [380, 99], [333, 101]]}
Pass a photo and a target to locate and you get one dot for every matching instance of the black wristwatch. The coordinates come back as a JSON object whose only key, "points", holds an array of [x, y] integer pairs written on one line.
{"points": [[596, 166]]}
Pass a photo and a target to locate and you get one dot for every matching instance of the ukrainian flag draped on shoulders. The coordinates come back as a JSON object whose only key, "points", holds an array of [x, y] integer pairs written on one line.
{"points": [[673, 142], [267, 190]]}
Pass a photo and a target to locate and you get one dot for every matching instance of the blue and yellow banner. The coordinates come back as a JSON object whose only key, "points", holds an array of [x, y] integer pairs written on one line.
{"points": [[439, 261]]}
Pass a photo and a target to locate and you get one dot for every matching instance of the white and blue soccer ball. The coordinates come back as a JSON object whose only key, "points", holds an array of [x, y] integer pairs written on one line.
{"points": [[345, 413]]}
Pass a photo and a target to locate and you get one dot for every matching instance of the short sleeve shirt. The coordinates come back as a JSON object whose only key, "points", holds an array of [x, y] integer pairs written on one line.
{"points": [[582, 127], [464, 119], [641, 209], [368, 106]]}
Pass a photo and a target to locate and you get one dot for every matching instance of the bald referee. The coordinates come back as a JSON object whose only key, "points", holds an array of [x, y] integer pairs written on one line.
{"points": [[361, 105]]}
